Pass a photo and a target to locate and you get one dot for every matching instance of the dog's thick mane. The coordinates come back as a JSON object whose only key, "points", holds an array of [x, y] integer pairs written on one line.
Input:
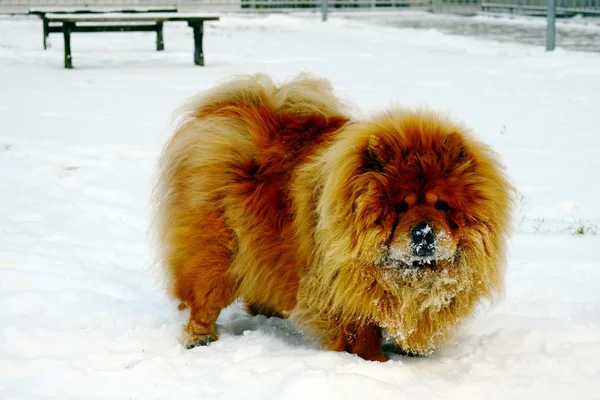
{"points": [[418, 308]]}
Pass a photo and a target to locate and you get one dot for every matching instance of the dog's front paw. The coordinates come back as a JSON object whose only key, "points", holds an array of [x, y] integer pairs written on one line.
{"points": [[194, 335], [199, 340]]}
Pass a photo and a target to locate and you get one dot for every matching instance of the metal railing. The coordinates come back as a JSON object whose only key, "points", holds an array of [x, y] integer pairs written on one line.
{"points": [[333, 3], [535, 7], [539, 7], [256, 4]]}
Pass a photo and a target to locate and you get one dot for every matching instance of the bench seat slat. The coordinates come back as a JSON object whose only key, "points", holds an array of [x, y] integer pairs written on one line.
{"points": [[158, 17], [107, 28]]}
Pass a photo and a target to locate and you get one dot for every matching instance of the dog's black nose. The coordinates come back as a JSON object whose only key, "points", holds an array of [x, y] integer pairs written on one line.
{"points": [[423, 238]]}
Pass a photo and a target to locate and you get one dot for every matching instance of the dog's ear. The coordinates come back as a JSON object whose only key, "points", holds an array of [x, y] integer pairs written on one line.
{"points": [[454, 145], [377, 154]]}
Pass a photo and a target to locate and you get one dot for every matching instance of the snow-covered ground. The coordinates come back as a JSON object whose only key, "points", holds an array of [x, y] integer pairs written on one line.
{"points": [[83, 314]]}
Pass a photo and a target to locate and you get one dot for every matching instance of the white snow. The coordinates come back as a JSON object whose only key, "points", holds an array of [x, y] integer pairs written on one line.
{"points": [[82, 313]]}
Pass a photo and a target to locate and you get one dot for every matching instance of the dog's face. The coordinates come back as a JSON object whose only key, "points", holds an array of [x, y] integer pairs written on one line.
{"points": [[424, 202], [416, 192], [421, 200]]}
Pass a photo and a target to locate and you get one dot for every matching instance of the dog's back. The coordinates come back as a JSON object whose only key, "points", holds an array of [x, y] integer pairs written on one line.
{"points": [[224, 216], [246, 130]]}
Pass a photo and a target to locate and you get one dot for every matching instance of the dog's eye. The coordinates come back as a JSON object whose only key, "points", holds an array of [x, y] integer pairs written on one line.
{"points": [[441, 205], [402, 208]]}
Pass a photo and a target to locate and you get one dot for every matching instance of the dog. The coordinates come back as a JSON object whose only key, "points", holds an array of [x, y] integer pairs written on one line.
{"points": [[396, 224]]}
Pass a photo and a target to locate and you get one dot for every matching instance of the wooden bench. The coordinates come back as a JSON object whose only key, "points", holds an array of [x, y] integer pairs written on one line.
{"points": [[151, 22], [42, 11]]}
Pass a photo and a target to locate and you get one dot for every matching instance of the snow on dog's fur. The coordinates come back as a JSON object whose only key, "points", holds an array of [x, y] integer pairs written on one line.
{"points": [[274, 195]]}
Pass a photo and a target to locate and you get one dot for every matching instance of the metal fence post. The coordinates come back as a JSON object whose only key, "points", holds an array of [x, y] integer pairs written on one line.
{"points": [[324, 10], [550, 25]]}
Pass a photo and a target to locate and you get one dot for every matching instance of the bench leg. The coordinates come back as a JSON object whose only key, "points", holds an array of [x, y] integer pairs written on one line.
{"points": [[160, 44], [67, 27], [46, 27], [198, 28]]}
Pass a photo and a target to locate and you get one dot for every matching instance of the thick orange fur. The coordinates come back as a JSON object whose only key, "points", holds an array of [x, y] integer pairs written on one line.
{"points": [[271, 194]]}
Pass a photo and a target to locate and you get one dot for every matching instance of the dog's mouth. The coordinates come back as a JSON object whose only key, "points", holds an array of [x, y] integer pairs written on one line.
{"points": [[424, 263], [395, 257], [412, 262]]}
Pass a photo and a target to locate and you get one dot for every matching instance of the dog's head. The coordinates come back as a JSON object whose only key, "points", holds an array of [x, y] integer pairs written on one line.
{"points": [[412, 190]]}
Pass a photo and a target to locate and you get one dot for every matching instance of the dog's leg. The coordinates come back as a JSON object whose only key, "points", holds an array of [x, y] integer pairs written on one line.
{"points": [[212, 292], [364, 341], [201, 250]]}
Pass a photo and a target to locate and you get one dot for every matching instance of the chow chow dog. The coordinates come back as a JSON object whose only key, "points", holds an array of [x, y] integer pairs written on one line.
{"points": [[396, 224]]}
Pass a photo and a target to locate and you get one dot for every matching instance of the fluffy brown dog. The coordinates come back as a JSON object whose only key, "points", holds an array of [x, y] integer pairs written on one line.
{"points": [[271, 194]]}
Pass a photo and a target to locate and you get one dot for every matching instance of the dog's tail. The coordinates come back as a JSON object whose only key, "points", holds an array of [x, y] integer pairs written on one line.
{"points": [[304, 95]]}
